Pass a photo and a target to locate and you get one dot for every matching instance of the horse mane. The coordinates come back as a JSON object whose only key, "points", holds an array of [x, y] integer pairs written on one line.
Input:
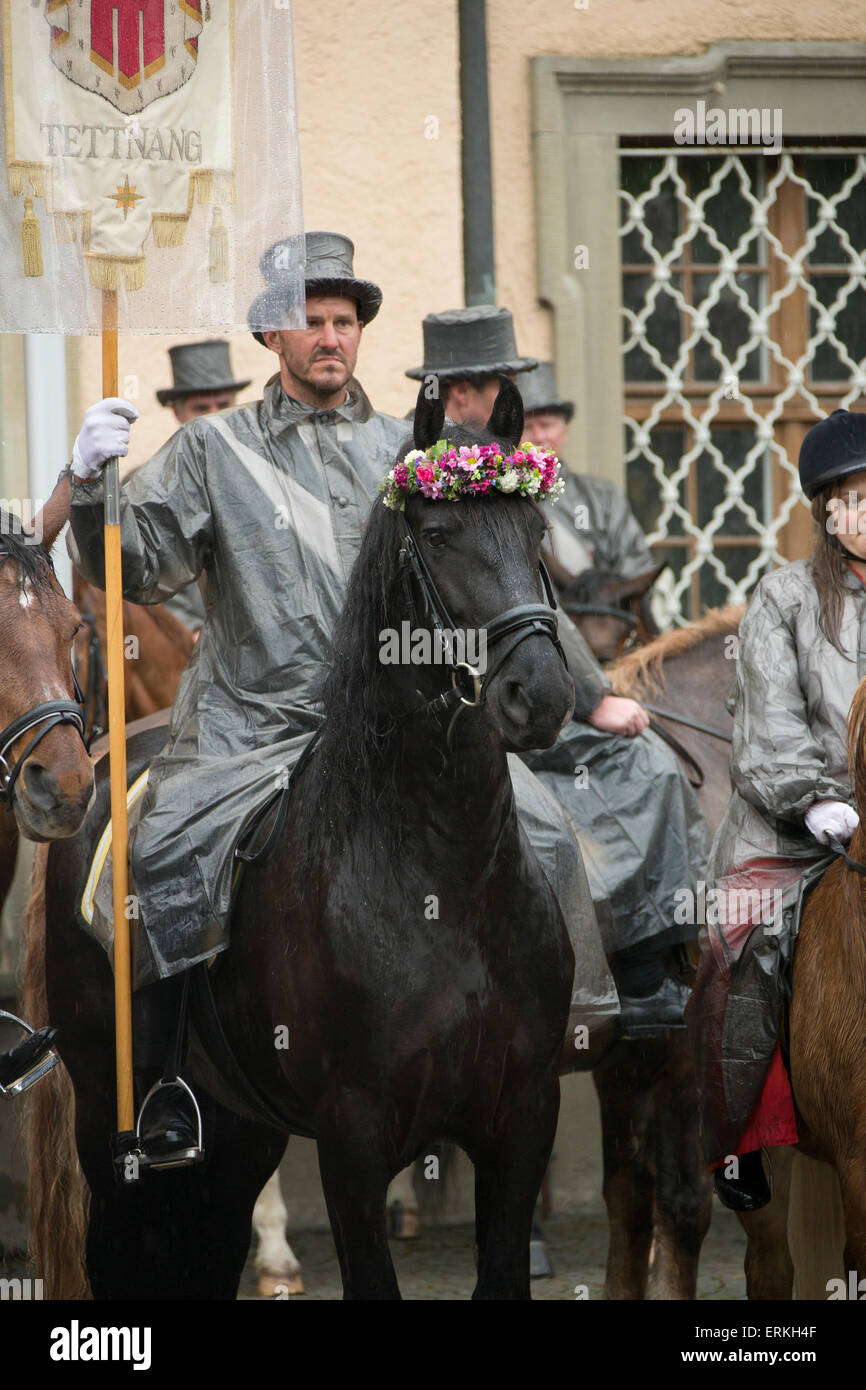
{"points": [[33, 562], [358, 756], [641, 672]]}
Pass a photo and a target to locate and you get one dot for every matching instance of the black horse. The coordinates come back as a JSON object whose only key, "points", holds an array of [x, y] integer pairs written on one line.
{"points": [[402, 933]]}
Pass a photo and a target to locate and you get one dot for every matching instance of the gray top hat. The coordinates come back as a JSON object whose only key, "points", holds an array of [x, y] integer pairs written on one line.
{"points": [[469, 342], [328, 268], [200, 367], [539, 392]]}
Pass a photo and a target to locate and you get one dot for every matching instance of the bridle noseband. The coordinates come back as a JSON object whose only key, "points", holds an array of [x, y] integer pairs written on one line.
{"points": [[509, 628], [44, 717], [601, 610]]}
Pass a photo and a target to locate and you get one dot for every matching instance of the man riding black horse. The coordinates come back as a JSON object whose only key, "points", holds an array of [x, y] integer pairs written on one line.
{"points": [[268, 501]]}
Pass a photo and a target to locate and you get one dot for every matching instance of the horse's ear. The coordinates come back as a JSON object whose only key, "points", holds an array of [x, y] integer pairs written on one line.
{"points": [[429, 415], [50, 521], [506, 422]]}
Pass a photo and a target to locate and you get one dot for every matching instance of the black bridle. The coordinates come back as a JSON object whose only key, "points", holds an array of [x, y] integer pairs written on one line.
{"points": [[601, 610], [43, 718], [509, 628]]}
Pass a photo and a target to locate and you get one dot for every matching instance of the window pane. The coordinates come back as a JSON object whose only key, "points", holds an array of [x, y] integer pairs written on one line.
{"points": [[661, 328], [729, 323], [849, 326], [642, 485], [727, 212]]}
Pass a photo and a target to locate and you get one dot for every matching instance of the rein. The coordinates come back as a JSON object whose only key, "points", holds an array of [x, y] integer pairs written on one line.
{"points": [[838, 848], [693, 767], [511, 627], [690, 723], [92, 699]]}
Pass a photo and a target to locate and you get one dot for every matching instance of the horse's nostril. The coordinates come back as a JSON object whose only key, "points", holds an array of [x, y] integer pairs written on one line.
{"points": [[515, 702], [40, 785]]}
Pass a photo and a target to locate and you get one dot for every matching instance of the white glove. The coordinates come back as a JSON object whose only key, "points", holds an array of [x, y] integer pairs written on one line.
{"points": [[104, 435], [832, 818]]}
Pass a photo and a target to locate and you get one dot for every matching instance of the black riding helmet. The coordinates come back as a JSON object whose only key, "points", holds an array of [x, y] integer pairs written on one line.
{"points": [[832, 449]]}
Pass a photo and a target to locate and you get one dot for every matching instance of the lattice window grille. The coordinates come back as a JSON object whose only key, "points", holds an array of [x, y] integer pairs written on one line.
{"points": [[700, 418]]}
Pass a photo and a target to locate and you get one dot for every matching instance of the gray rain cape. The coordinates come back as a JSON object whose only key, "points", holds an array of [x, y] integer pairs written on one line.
{"points": [[592, 526], [268, 501], [793, 695]]}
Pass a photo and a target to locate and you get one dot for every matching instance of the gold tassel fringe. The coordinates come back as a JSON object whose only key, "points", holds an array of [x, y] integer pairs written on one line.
{"points": [[31, 241], [219, 249], [116, 272], [67, 226], [214, 185], [169, 228], [21, 175]]}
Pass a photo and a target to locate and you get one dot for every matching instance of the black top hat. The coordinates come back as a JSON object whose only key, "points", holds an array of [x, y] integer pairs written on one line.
{"points": [[470, 342], [200, 367], [328, 269], [832, 449], [540, 394]]}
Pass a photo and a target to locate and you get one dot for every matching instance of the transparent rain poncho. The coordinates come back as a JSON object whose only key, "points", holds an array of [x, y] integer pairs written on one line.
{"points": [[150, 150], [793, 695]]}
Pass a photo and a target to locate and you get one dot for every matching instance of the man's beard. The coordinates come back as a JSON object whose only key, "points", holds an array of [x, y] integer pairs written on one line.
{"points": [[323, 386]]}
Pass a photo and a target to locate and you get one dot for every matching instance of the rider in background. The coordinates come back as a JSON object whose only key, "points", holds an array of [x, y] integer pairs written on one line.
{"points": [[202, 384], [639, 827], [592, 525], [802, 654]]}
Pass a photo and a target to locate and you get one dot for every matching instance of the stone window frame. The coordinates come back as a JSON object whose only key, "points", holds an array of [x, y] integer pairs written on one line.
{"points": [[582, 108]]}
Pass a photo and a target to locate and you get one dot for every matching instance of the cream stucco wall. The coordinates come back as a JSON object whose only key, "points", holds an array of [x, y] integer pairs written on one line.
{"points": [[520, 29], [368, 79]]}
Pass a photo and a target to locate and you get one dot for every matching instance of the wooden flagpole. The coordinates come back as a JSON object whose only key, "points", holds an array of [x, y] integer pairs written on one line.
{"points": [[117, 739]]}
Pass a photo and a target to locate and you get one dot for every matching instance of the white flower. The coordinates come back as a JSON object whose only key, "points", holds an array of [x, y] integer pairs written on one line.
{"points": [[509, 480], [414, 454], [533, 485]]}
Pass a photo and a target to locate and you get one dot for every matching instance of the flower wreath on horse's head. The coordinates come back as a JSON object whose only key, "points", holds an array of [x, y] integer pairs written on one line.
{"points": [[445, 473]]}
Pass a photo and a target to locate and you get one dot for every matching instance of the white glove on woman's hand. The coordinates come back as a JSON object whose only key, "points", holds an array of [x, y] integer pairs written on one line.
{"points": [[832, 818], [104, 435]]}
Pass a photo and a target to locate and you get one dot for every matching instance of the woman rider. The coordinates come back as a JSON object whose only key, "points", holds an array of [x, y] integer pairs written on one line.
{"points": [[802, 654]]}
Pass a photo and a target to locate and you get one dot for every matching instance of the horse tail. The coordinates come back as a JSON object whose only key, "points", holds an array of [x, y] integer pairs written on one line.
{"points": [[57, 1191]]}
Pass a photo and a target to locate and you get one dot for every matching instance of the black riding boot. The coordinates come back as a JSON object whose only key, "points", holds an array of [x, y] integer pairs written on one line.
{"points": [[169, 1124], [652, 1003], [749, 1190]]}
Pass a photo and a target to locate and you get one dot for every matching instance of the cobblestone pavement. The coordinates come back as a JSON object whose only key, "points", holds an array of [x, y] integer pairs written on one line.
{"points": [[439, 1263]]}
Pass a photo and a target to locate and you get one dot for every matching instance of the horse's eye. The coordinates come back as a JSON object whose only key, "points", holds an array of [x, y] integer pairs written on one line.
{"points": [[434, 538]]}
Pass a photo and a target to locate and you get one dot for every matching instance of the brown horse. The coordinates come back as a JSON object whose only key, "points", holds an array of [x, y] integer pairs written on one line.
{"points": [[612, 612], [157, 646], [657, 1187], [827, 1063], [45, 774]]}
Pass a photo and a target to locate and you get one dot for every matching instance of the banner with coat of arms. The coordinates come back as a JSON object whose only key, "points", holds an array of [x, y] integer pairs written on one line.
{"points": [[150, 148]]}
